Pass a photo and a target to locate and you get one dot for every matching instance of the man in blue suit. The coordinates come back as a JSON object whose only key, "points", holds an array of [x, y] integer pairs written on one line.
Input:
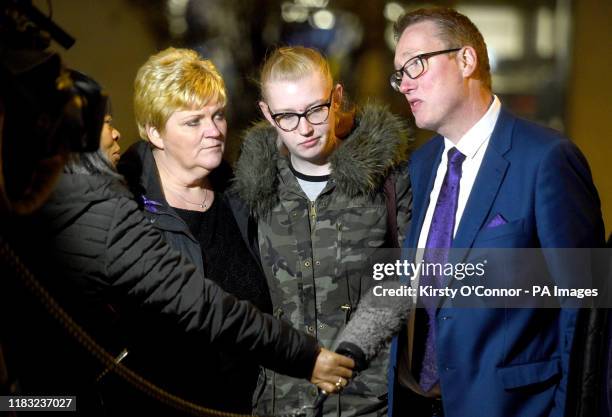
{"points": [[487, 180]]}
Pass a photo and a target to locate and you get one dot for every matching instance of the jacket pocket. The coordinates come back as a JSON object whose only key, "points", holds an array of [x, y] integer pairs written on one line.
{"points": [[518, 376], [516, 227]]}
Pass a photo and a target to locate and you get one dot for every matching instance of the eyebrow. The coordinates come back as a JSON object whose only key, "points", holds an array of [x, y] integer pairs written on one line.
{"points": [[199, 113], [191, 116], [404, 59], [313, 104]]}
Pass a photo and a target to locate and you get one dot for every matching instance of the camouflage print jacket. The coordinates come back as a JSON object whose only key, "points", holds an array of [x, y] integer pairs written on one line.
{"points": [[316, 255]]}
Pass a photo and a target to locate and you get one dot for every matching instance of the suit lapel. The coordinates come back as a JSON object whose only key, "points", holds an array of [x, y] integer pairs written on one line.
{"points": [[488, 181], [482, 196], [486, 186]]}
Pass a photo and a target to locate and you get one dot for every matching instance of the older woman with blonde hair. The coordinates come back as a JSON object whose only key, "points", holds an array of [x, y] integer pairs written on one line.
{"points": [[179, 175]]}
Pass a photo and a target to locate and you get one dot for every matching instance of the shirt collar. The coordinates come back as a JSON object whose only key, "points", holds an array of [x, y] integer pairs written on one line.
{"points": [[478, 134]]}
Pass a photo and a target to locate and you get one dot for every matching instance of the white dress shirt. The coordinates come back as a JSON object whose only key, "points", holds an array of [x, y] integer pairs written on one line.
{"points": [[473, 145]]}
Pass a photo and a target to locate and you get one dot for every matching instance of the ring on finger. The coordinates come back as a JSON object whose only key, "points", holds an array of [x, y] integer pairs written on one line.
{"points": [[339, 385]]}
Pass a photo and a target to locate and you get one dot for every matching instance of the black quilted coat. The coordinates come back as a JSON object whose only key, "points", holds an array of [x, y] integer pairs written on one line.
{"points": [[92, 248]]}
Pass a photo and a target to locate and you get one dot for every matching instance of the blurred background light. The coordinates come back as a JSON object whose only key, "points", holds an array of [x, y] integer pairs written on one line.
{"points": [[393, 11], [294, 13], [323, 19], [313, 3]]}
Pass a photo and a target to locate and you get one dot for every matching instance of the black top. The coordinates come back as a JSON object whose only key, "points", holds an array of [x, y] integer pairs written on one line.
{"points": [[226, 258], [310, 178]]}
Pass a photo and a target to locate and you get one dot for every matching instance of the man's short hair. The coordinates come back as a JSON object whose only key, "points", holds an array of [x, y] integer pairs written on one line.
{"points": [[455, 30]]}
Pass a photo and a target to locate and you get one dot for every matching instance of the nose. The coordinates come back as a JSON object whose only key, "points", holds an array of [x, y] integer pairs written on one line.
{"points": [[304, 127], [212, 130], [407, 84], [116, 135]]}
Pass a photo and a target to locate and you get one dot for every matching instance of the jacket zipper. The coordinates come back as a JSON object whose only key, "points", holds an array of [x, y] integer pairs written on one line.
{"points": [[347, 312], [313, 214]]}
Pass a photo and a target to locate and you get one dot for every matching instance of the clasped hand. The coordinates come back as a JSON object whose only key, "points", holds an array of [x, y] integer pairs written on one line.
{"points": [[332, 371]]}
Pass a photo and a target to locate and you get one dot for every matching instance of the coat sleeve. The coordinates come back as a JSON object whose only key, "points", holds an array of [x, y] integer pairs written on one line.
{"points": [[567, 204], [153, 276], [567, 216], [403, 198]]}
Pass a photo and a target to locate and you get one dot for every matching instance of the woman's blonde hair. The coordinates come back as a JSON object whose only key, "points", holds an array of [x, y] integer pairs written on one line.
{"points": [[174, 79], [292, 63]]}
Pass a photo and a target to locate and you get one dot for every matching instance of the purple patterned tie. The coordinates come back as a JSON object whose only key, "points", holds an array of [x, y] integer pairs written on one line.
{"points": [[439, 241]]}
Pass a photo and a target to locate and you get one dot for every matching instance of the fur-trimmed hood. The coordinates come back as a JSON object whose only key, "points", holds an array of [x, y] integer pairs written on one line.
{"points": [[378, 143]]}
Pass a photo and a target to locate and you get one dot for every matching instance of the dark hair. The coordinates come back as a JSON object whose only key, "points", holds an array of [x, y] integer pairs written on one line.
{"points": [[455, 29], [109, 107], [90, 163]]}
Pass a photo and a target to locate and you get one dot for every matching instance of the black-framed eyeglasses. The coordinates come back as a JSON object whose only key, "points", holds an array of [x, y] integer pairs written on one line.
{"points": [[316, 115], [415, 67]]}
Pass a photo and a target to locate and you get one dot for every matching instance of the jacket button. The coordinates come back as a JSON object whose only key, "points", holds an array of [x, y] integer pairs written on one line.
{"points": [[307, 263], [318, 263], [311, 329]]}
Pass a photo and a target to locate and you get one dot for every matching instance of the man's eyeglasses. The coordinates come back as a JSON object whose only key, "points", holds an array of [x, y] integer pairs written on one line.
{"points": [[316, 115], [415, 67]]}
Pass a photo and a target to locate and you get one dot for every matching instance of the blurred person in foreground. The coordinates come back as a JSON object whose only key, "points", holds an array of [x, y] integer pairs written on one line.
{"points": [[93, 250]]}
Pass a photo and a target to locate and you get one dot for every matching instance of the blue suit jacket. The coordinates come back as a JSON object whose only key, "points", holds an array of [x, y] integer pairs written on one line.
{"points": [[509, 362]]}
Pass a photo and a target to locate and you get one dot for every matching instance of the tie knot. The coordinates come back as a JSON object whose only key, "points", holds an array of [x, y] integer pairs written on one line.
{"points": [[455, 157]]}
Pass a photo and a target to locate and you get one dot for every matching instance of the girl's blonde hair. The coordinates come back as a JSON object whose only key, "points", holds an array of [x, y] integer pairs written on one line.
{"points": [[292, 63], [174, 79]]}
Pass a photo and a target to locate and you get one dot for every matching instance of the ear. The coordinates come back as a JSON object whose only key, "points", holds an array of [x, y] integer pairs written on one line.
{"points": [[468, 60], [154, 137], [266, 112], [338, 92]]}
